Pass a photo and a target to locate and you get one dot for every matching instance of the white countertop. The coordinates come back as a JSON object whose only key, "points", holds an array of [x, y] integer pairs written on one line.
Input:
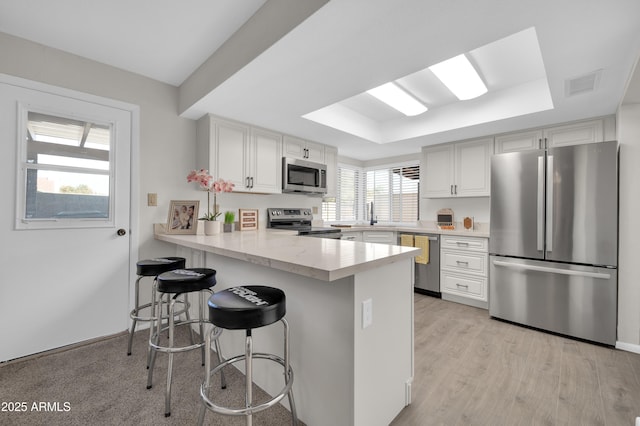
{"points": [[321, 258]]}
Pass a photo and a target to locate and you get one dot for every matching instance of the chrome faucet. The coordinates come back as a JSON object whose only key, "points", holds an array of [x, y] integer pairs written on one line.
{"points": [[373, 221]]}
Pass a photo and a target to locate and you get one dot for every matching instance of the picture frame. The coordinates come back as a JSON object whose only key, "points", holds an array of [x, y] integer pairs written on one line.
{"points": [[248, 219], [183, 217]]}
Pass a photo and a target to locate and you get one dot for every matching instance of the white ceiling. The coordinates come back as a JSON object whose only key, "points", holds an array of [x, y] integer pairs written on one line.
{"points": [[345, 48]]}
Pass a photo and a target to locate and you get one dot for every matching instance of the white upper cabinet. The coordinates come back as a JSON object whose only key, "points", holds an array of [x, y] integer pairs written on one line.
{"points": [[574, 134], [265, 161], [437, 171], [305, 150], [249, 157], [518, 141], [590, 131], [457, 170], [228, 154]]}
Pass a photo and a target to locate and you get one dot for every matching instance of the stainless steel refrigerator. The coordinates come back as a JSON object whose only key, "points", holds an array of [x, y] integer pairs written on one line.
{"points": [[554, 240]]}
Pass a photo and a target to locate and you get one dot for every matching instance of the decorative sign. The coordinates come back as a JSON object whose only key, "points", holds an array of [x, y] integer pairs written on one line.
{"points": [[248, 219]]}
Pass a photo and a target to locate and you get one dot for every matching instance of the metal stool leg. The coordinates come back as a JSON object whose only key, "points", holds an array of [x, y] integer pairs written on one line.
{"points": [[287, 375], [213, 334], [167, 395], [188, 317], [153, 315], [137, 304], [157, 322], [248, 365], [201, 322]]}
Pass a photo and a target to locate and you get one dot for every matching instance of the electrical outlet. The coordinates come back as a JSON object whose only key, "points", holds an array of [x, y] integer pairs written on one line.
{"points": [[152, 199], [314, 209], [367, 313]]}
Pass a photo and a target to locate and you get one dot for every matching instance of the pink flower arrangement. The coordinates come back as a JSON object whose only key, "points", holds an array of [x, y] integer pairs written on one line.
{"points": [[206, 182]]}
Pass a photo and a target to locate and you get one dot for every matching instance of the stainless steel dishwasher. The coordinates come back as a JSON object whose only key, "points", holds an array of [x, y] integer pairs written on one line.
{"points": [[427, 267]]}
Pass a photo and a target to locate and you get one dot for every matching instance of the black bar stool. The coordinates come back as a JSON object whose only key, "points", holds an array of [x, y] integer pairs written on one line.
{"points": [[177, 282], [150, 268], [246, 308]]}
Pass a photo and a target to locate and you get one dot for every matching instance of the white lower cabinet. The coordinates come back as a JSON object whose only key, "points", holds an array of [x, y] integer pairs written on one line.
{"points": [[465, 286], [382, 237], [352, 235], [464, 270]]}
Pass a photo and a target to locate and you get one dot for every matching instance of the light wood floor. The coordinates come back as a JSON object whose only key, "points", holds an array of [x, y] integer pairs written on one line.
{"points": [[473, 370]]}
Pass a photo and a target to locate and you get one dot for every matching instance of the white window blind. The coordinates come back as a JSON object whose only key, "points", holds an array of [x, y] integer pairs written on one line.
{"points": [[393, 189], [347, 205], [394, 193], [348, 193]]}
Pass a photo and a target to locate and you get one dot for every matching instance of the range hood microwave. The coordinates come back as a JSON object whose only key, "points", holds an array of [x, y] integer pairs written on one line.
{"points": [[304, 177]]}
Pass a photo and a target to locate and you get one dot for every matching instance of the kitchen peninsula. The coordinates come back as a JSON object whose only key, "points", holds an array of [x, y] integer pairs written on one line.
{"points": [[345, 371]]}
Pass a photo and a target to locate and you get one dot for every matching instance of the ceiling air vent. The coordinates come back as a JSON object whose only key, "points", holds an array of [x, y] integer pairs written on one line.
{"points": [[583, 84]]}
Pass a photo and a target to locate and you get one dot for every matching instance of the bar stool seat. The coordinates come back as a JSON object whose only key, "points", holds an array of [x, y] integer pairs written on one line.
{"points": [[150, 268], [247, 308], [179, 282]]}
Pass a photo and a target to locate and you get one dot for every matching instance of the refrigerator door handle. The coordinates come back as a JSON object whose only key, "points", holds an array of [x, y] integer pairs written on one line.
{"points": [[549, 215], [521, 266], [540, 215]]}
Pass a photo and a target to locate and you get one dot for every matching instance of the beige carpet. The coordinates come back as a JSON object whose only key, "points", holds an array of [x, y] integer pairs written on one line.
{"points": [[98, 384]]}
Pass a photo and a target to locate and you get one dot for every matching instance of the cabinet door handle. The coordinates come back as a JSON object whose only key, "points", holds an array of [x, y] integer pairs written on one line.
{"points": [[251, 182], [451, 190], [455, 189], [246, 182], [462, 262]]}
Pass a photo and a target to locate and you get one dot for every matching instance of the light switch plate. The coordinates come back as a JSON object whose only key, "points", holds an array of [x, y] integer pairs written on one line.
{"points": [[367, 313], [152, 199]]}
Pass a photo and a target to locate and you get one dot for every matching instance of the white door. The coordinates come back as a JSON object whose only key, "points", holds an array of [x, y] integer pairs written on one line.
{"points": [[65, 174]]}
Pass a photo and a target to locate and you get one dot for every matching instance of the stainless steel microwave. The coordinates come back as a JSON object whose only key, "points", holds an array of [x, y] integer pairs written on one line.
{"points": [[303, 176]]}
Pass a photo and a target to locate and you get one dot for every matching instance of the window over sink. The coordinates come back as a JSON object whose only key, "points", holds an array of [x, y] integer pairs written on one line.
{"points": [[393, 188]]}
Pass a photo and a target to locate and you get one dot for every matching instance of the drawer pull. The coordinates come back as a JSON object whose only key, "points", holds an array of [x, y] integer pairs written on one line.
{"points": [[462, 285], [462, 262], [462, 244]]}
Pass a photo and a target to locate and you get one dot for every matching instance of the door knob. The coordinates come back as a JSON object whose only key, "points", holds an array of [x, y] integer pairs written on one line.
{"points": [[122, 232]]}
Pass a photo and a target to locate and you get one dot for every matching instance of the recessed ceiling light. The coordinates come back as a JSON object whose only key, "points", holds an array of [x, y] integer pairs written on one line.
{"points": [[460, 77], [397, 98]]}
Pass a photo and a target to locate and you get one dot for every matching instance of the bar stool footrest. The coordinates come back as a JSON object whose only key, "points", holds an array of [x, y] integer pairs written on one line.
{"points": [[185, 306], [167, 349], [248, 410]]}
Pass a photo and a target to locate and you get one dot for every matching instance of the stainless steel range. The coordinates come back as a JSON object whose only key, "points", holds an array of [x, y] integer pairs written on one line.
{"points": [[299, 220]]}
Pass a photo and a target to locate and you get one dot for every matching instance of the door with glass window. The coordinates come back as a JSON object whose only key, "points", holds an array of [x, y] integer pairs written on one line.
{"points": [[65, 225]]}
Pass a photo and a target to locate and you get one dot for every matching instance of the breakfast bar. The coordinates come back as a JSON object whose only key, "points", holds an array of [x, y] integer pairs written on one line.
{"points": [[349, 368]]}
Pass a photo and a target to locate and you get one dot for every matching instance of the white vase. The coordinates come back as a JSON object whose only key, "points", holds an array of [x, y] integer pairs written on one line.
{"points": [[212, 227]]}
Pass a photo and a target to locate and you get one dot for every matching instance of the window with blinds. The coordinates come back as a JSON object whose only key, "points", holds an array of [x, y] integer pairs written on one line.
{"points": [[394, 193], [392, 189], [347, 205]]}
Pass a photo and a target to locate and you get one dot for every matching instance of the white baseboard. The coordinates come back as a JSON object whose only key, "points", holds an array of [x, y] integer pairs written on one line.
{"points": [[629, 347]]}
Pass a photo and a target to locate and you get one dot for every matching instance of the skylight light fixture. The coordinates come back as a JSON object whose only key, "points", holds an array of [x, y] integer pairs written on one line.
{"points": [[460, 77], [395, 97]]}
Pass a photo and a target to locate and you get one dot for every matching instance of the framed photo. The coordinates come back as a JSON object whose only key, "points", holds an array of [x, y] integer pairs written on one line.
{"points": [[183, 217]]}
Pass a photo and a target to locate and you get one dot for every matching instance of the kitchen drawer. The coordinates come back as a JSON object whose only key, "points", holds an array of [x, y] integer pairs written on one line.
{"points": [[352, 236], [465, 262], [382, 237], [465, 243], [467, 286]]}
